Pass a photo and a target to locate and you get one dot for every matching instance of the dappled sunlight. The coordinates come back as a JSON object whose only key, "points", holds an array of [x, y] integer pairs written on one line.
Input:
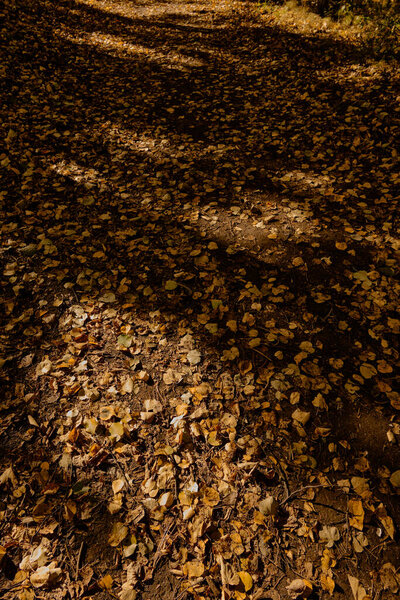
{"points": [[76, 172], [126, 138], [118, 46], [154, 8], [199, 236]]}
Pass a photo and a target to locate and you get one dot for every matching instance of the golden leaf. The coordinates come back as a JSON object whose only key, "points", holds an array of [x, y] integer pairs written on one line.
{"points": [[327, 583], [356, 509], [118, 534], [210, 496], [193, 568], [246, 579], [106, 582]]}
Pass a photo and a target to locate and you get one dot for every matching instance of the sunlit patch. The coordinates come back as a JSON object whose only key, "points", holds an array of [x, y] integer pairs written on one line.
{"points": [[141, 8], [307, 179], [118, 46], [265, 234], [132, 140], [76, 172]]}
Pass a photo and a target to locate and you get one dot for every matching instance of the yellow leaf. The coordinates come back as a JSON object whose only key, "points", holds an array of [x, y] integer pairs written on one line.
{"points": [[212, 439], [118, 485], [327, 561], [107, 412], [193, 568], [327, 584], [106, 582], [356, 509], [319, 402], [368, 371], [210, 496], [386, 521], [116, 431], [118, 534], [232, 325], [297, 261], [246, 579], [341, 245], [395, 479]]}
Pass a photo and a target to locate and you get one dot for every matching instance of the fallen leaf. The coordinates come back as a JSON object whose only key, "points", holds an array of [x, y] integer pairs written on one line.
{"points": [[246, 579], [193, 568], [118, 534], [299, 588], [330, 535], [46, 577], [210, 496], [194, 357], [395, 479], [127, 592], [106, 582], [356, 510], [268, 506], [357, 589]]}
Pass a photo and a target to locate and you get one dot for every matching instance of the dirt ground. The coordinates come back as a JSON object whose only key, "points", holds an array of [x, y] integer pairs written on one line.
{"points": [[199, 305]]}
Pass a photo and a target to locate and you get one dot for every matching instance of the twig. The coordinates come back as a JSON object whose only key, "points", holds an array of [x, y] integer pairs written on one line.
{"points": [[278, 582], [220, 560], [78, 560], [169, 528], [281, 472], [261, 353], [325, 505], [14, 585], [302, 489]]}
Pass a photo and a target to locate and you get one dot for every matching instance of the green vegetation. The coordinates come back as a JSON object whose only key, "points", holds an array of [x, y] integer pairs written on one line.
{"points": [[378, 21]]}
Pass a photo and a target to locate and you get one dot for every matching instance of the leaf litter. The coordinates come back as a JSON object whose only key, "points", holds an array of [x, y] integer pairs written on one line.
{"points": [[200, 305]]}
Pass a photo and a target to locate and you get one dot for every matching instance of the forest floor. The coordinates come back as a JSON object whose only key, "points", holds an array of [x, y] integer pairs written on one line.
{"points": [[200, 261]]}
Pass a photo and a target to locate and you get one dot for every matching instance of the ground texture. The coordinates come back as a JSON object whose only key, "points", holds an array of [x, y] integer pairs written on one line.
{"points": [[200, 300]]}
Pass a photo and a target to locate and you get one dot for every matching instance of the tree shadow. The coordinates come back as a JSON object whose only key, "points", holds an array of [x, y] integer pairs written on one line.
{"points": [[132, 166]]}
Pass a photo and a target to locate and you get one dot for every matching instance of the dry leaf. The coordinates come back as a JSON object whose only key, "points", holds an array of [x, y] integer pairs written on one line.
{"points": [[330, 535], [246, 579], [118, 485], [300, 416], [8, 475], [357, 589], [193, 568], [46, 577], [107, 413], [44, 367], [194, 357], [395, 479], [299, 588], [268, 506], [127, 592], [356, 510], [118, 534], [106, 582], [210, 496]]}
